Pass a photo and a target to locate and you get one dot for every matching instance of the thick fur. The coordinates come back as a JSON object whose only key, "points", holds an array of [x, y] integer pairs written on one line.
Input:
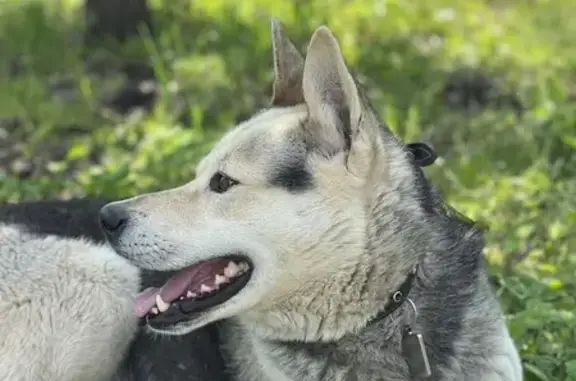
{"points": [[147, 357], [65, 308], [333, 213]]}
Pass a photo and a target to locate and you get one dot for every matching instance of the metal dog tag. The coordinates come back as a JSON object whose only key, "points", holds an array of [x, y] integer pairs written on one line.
{"points": [[414, 351]]}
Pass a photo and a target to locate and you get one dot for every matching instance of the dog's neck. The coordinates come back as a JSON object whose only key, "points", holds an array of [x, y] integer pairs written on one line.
{"points": [[307, 321], [273, 353], [346, 302]]}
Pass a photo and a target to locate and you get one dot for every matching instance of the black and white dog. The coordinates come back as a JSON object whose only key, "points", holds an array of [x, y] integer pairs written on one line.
{"points": [[309, 247]]}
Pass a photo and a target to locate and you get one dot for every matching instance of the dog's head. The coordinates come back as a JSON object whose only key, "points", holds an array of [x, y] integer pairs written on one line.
{"points": [[290, 221]]}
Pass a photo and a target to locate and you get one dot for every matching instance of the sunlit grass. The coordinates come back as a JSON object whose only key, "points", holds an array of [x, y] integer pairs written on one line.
{"points": [[514, 174]]}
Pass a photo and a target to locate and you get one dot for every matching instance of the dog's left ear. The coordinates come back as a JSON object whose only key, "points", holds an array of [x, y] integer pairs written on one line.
{"points": [[330, 92], [288, 67]]}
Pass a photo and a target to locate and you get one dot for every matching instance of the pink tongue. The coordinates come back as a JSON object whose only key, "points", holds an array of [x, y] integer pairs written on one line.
{"points": [[145, 301], [190, 278]]}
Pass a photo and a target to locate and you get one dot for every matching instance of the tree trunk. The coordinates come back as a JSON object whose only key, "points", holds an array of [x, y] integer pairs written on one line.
{"points": [[116, 19]]}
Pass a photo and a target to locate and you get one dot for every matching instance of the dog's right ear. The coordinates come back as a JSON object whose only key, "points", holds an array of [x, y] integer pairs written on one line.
{"points": [[288, 69]]}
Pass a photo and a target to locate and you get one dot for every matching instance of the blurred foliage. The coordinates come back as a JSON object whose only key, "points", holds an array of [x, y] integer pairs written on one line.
{"points": [[511, 168]]}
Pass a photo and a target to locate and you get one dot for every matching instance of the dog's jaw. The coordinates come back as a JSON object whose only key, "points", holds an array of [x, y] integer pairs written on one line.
{"points": [[245, 299], [262, 277]]}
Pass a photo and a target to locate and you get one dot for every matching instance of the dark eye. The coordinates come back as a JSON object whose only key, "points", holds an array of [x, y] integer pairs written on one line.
{"points": [[220, 183]]}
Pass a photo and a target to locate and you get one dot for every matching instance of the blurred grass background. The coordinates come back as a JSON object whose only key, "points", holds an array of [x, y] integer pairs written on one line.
{"points": [[491, 84]]}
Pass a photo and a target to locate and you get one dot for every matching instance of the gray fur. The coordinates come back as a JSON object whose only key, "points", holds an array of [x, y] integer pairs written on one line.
{"points": [[65, 308], [327, 258], [334, 214]]}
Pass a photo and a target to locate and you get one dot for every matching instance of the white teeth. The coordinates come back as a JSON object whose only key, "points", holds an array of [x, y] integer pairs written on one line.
{"points": [[205, 289], [154, 310], [243, 266], [220, 279], [231, 270], [190, 294], [162, 305]]}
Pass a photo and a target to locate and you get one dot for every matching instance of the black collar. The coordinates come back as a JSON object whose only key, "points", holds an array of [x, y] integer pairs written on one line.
{"points": [[397, 298]]}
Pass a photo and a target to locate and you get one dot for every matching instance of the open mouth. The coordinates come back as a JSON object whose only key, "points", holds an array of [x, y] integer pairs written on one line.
{"points": [[193, 290]]}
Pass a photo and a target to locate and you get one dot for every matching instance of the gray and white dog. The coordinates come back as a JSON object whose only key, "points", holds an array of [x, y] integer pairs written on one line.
{"points": [[313, 235]]}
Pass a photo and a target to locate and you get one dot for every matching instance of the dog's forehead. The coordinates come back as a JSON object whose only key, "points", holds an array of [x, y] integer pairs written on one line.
{"points": [[259, 139]]}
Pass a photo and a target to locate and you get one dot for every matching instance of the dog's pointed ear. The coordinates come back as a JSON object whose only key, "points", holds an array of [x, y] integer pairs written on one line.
{"points": [[288, 68], [330, 92]]}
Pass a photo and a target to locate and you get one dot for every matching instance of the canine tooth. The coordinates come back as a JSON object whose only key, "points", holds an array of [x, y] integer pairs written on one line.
{"points": [[231, 270], [243, 266], [162, 305], [154, 310], [220, 279], [190, 294], [204, 289]]}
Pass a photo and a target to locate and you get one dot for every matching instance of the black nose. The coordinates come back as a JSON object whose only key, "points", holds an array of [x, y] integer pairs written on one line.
{"points": [[113, 219]]}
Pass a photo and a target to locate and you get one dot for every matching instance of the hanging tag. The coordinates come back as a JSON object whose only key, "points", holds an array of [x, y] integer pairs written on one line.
{"points": [[414, 351]]}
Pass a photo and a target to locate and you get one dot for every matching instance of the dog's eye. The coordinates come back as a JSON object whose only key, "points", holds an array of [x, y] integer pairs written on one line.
{"points": [[220, 182]]}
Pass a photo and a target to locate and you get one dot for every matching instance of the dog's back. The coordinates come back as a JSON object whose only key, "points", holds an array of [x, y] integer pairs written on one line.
{"points": [[65, 308], [76, 218], [72, 224]]}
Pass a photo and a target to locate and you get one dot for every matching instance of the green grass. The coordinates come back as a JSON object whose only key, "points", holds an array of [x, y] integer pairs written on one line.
{"points": [[516, 175]]}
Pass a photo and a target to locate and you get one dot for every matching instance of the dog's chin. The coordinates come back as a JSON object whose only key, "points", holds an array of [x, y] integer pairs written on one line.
{"points": [[194, 294]]}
